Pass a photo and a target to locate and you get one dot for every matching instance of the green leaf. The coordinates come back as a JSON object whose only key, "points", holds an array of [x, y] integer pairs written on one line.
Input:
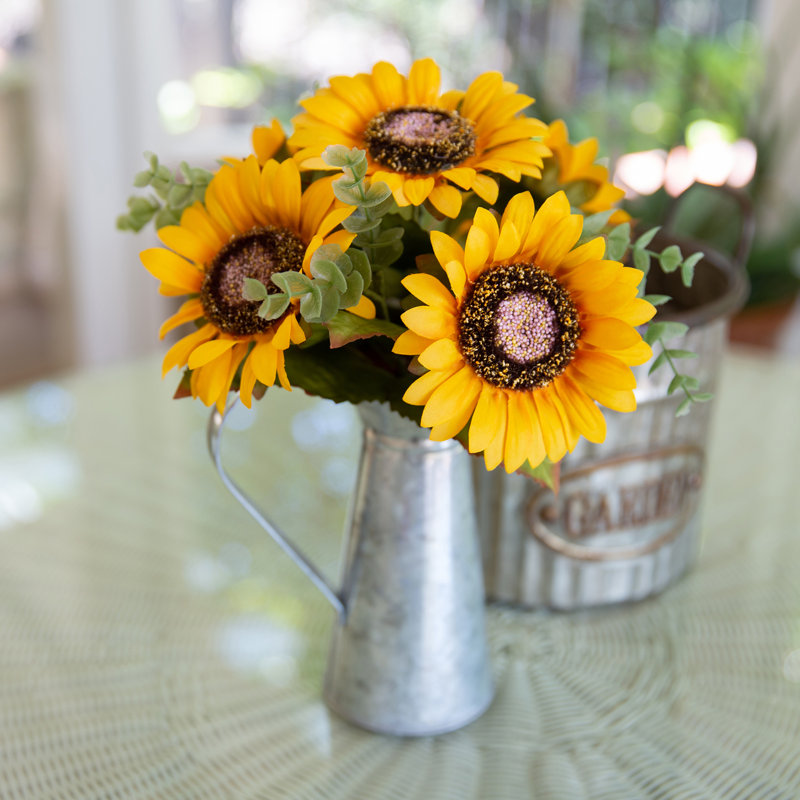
{"points": [[336, 155], [687, 268], [254, 290], [702, 397], [594, 223], [657, 299], [167, 216], [676, 383], [291, 282], [618, 242], [311, 303], [179, 194], [346, 327], [377, 193], [547, 473], [360, 224], [330, 304], [641, 259], [681, 353], [390, 235], [670, 258], [664, 330], [346, 194], [647, 237], [331, 373], [353, 290], [388, 205], [273, 306], [330, 252], [683, 408], [142, 179], [361, 265], [329, 271], [657, 362]]}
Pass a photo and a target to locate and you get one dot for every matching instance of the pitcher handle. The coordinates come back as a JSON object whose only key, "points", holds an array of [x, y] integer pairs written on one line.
{"points": [[216, 425]]}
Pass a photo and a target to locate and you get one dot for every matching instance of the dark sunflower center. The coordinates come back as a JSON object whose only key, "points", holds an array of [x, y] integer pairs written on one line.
{"points": [[256, 254], [518, 327], [419, 139]]}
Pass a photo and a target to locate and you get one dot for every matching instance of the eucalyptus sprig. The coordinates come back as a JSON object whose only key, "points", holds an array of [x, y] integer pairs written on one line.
{"points": [[670, 259], [173, 194], [337, 282]]}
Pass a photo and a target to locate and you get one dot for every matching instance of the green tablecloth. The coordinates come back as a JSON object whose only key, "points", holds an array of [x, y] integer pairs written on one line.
{"points": [[155, 644]]}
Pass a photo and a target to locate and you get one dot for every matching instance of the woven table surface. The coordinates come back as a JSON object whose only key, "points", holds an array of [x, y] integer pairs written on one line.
{"points": [[155, 643]]}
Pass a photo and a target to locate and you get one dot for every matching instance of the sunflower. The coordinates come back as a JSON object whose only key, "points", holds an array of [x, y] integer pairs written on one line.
{"points": [[421, 142], [531, 332], [588, 181], [253, 222]]}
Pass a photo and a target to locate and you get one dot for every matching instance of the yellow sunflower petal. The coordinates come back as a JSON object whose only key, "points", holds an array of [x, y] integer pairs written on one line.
{"points": [[179, 353], [616, 399], [264, 360], [297, 335], [197, 220], [432, 323], [358, 93], [487, 222], [590, 251], [365, 308], [520, 436], [189, 311], [247, 383], [423, 387], [281, 339], [449, 397], [441, 354], [476, 252], [555, 443], [480, 93], [430, 290], [457, 277], [493, 454], [388, 85], [186, 243], [640, 353], [635, 312], [583, 414], [172, 269], [461, 176], [455, 424], [519, 212], [608, 333], [592, 275], [287, 190], [486, 188], [423, 83], [446, 199], [209, 351], [267, 140], [409, 343], [550, 213], [604, 368], [445, 248], [560, 240], [281, 368], [211, 378], [417, 190], [508, 243], [490, 408]]}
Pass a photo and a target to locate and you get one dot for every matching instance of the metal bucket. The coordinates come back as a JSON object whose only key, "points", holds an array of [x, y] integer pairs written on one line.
{"points": [[626, 521]]}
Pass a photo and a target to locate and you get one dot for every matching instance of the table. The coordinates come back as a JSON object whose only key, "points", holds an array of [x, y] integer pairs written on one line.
{"points": [[156, 645]]}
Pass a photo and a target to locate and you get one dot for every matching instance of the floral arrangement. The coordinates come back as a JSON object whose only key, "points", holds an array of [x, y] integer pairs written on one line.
{"points": [[439, 251]]}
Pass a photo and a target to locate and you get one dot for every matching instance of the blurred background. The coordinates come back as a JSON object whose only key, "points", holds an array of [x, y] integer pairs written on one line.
{"points": [[675, 90]]}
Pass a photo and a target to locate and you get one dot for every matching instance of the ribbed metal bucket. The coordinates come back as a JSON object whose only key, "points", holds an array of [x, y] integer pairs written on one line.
{"points": [[626, 521]]}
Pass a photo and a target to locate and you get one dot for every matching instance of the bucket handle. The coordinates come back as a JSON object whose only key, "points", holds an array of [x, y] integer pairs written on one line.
{"points": [[216, 425], [748, 230]]}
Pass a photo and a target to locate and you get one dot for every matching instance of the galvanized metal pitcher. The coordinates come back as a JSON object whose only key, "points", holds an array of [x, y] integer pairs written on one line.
{"points": [[409, 654]]}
